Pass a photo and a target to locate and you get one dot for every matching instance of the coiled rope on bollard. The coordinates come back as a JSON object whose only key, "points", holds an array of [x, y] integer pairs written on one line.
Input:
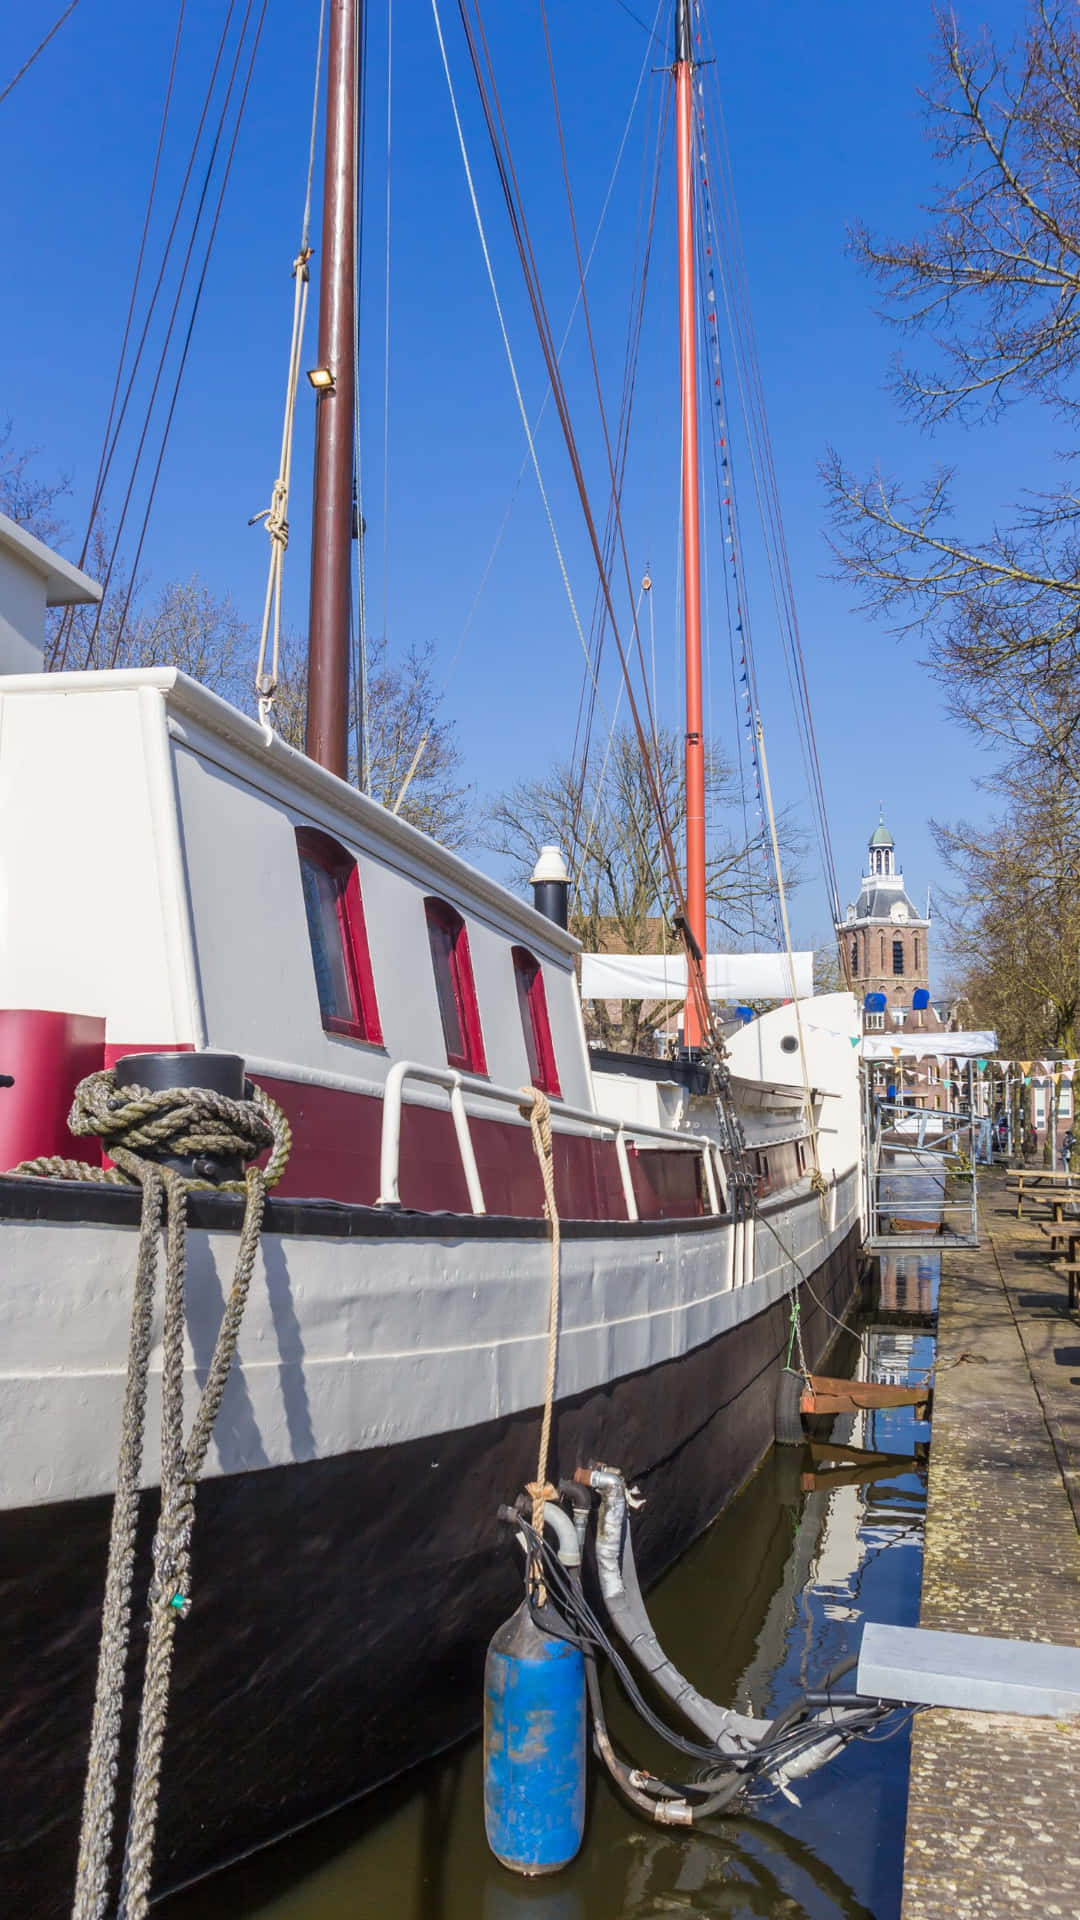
{"points": [[133, 1124]]}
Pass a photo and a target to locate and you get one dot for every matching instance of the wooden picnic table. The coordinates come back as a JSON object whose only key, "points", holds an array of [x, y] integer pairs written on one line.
{"points": [[1029, 1178], [1064, 1237]]}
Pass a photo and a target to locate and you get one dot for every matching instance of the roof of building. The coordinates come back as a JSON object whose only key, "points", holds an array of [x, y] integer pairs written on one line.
{"points": [[881, 837], [65, 585], [877, 903]]}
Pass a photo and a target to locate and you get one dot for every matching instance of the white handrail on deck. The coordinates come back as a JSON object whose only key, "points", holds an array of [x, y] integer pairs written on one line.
{"points": [[458, 1084]]}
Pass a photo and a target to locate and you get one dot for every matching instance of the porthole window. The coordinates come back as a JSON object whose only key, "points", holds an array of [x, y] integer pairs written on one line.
{"points": [[452, 964], [789, 1044], [338, 937], [532, 1003]]}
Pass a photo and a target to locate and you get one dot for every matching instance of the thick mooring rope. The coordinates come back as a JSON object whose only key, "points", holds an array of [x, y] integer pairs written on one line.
{"points": [[177, 1120], [538, 1108]]}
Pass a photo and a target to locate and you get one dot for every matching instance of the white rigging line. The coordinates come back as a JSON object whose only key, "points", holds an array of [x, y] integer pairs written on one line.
{"points": [[542, 409], [276, 514], [522, 409], [646, 587]]}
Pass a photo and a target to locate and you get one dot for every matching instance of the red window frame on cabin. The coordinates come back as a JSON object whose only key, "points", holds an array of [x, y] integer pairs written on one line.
{"points": [[532, 1000], [338, 937], [454, 985]]}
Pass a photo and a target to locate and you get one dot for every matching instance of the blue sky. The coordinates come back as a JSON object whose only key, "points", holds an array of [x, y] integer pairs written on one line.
{"points": [[824, 124]]}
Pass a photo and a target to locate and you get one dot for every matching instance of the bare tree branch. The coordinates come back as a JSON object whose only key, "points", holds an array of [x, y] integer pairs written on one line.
{"points": [[620, 900]]}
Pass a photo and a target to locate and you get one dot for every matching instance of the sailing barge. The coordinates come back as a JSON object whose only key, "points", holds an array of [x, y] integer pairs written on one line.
{"points": [[384, 1400], [230, 894]]}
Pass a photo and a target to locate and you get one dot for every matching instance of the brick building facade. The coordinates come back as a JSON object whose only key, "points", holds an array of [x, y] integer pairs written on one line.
{"points": [[888, 945]]}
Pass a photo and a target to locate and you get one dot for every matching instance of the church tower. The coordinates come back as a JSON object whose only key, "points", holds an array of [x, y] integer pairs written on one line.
{"points": [[887, 942]]}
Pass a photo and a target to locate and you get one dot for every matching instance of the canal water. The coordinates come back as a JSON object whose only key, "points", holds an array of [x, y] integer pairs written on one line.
{"points": [[765, 1603]]}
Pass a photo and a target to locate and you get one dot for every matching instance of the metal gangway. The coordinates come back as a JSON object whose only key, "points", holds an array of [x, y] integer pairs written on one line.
{"points": [[921, 1176]]}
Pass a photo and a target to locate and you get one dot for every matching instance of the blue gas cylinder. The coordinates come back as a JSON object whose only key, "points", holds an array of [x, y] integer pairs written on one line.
{"points": [[534, 1747]]}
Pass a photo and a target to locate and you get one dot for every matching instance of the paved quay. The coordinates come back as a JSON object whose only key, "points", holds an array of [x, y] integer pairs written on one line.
{"points": [[993, 1823]]}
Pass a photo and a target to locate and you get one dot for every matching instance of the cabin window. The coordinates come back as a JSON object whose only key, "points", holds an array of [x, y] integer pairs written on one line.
{"points": [[454, 986], [898, 956], [339, 949], [532, 1003]]}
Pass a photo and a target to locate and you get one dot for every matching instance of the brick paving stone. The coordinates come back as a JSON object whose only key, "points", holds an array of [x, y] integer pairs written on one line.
{"points": [[994, 1799]]}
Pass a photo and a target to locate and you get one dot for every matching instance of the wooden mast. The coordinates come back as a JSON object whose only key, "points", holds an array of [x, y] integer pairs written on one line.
{"points": [[695, 744], [331, 545]]}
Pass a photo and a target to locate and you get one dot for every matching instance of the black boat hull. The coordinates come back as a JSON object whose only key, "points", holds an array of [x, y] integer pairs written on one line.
{"points": [[342, 1606]]}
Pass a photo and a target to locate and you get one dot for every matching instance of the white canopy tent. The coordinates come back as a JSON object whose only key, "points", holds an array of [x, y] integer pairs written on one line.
{"points": [[928, 1046], [728, 976]]}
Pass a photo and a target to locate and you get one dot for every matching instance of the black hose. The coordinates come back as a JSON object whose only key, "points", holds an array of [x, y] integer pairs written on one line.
{"points": [[618, 1771], [646, 1803], [580, 1624], [569, 1616]]}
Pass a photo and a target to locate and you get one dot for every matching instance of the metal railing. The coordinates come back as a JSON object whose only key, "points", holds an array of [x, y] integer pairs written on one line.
{"points": [[458, 1084], [913, 1154]]}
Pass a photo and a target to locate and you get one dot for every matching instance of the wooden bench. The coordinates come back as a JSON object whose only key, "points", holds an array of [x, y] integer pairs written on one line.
{"points": [[1060, 1233]]}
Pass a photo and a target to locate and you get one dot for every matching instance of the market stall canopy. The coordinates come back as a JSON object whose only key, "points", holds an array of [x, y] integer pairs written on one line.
{"points": [[729, 976], [920, 1046]]}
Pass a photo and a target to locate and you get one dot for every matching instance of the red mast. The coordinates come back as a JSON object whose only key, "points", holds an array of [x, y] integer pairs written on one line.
{"points": [[695, 744], [331, 545]]}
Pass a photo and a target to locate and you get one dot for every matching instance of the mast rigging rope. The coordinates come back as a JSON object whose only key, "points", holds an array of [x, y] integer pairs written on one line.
{"points": [[276, 516], [635, 322], [491, 108], [751, 392], [587, 683], [519, 396], [207, 252], [58, 653], [116, 420], [39, 49]]}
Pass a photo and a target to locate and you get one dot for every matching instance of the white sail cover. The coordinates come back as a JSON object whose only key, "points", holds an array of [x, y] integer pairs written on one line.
{"points": [[919, 1046], [729, 976]]}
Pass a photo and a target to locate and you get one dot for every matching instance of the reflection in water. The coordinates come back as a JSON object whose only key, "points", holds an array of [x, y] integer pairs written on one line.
{"points": [[763, 1605]]}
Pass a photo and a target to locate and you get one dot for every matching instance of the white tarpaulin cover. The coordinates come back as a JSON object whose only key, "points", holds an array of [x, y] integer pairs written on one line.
{"points": [[917, 1046], [662, 976]]}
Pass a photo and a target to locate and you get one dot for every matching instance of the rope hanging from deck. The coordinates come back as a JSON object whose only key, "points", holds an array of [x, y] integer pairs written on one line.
{"points": [[537, 1107], [133, 1124]]}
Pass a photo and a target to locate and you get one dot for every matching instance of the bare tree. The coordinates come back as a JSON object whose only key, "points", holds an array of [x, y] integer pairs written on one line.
{"points": [[620, 898], [412, 759], [30, 502], [1014, 918], [995, 283]]}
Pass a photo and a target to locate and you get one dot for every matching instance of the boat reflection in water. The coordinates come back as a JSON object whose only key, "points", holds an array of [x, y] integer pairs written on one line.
{"points": [[765, 1603]]}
